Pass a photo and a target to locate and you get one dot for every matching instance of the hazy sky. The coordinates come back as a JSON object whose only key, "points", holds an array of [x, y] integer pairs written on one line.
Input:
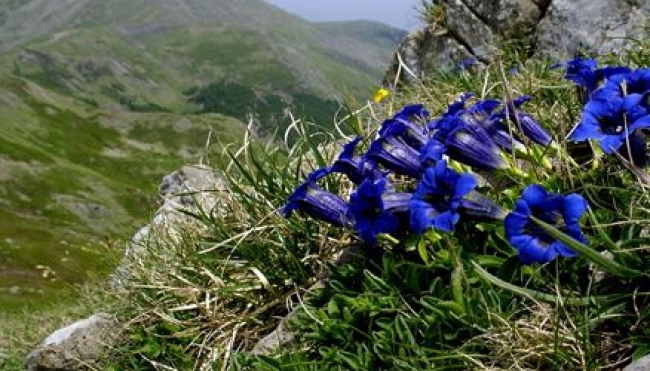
{"points": [[399, 13]]}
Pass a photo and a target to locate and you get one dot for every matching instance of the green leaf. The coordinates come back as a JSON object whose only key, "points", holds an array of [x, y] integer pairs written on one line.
{"points": [[583, 301], [422, 250]]}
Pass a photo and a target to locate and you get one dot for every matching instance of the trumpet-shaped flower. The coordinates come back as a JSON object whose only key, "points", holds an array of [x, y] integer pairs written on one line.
{"points": [[395, 155], [478, 207], [584, 72], [529, 126], [316, 202], [532, 242], [354, 166], [475, 147], [376, 209], [466, 137], [446, 122], [612, 118], [431, 153], [437, 198], [402, 126], [483, 114]]}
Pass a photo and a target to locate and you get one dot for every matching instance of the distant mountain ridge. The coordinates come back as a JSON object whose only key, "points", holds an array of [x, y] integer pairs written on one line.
{"points": [[179, 44]]}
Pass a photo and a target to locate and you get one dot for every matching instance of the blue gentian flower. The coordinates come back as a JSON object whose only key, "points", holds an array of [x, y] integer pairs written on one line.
{"points": [[529, 126], [466, 64], [446, 121], [482, 113], [316, 202], [354, 166], [465, 138], [478, 207], [402, 126], [437, 198], [431, 153], [584, 72], [637, 81], [473, 146], [376, 209], [535, 245], [611, 118], [394, 154]]}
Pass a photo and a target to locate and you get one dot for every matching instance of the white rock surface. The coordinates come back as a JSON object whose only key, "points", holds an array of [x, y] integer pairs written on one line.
{"points": [[75, 347], [641, 364]]}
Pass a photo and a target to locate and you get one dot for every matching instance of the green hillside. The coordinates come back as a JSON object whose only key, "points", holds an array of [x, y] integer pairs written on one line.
{"points": [[73, 182], [99, 99]]}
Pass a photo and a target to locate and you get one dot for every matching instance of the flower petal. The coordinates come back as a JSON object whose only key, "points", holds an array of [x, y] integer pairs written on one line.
{"points": [[534, 194]]}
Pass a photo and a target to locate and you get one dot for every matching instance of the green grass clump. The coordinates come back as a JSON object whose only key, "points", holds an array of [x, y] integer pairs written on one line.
{"points": [[223, 279], [207, 293]]}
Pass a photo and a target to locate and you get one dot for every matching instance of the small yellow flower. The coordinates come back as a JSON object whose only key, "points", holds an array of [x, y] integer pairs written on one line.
{"points": [[380, 95]]}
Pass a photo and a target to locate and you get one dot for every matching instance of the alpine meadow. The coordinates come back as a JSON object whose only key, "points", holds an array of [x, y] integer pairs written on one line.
{"points": [[472, 195]]}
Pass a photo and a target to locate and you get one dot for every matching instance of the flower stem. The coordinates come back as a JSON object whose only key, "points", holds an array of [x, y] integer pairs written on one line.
{"points": [[589, 253]]}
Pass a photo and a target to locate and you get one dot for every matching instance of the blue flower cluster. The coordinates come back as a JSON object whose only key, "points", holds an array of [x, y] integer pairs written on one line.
{"points": [[429, 152], [616, 110]]}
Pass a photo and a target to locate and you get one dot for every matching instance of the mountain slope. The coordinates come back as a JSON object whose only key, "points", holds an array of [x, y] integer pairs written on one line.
{"points": [[48, 25], [70, 179], [99, 99]]}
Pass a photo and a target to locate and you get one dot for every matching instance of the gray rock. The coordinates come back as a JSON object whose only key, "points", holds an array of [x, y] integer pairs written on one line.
{"points": [[443, 52], [641, 364], [589, 26], [477, 28], [507, 17], [406, 66], [422, 51], [75, 347], [469, 30], [193, 189]]}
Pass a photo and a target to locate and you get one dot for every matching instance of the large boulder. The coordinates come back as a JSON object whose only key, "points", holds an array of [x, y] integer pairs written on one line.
{"points": [[508, 17], [75, 347], [192, 189], [470, 30], [556, 29], [571, 27], [421, 51]]}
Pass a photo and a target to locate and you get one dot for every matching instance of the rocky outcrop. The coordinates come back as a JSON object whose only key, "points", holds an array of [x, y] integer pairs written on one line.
{"points": [[190, 189], [75, 347], [590, 26], [469, 30], [477, 30]]}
